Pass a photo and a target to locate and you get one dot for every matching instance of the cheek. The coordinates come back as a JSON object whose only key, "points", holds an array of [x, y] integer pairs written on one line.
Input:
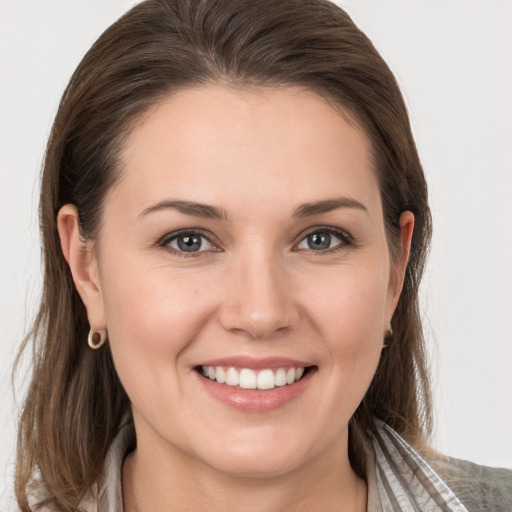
{"points": [[149, 304], [152, 317], [350, 315], [350, 306], [345, 309]]}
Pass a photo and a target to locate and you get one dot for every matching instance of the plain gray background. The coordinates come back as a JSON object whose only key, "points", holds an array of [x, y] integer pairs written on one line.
{"points": [[453, 60]]}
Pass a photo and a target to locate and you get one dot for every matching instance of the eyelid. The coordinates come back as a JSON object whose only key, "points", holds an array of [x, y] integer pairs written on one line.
{"points": [[346, 238], [165, 240]]}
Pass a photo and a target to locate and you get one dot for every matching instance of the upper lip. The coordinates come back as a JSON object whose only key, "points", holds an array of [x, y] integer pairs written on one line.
{"points": [[256, 363]]}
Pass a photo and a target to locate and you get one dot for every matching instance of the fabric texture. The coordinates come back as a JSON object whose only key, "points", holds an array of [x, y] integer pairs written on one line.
{"points": [[480, 488], [399, 480]]}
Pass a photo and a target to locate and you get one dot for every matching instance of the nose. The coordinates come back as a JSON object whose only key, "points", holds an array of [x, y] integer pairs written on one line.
{"points": [[259, 298]]}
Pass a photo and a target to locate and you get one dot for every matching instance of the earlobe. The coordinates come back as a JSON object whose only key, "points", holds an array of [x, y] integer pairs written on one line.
{"points": [[82, 263]]}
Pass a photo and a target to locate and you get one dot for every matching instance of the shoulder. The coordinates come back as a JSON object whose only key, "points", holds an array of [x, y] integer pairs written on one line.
{"points": [[479, 488], [106, 494]]}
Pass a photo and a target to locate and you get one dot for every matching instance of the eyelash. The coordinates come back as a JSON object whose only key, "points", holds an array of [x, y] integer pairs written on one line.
{"points": [[167, 239], [345, 238]]}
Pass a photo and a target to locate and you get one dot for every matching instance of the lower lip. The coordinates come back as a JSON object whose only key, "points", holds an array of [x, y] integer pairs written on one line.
{"points": [[254, 400]]}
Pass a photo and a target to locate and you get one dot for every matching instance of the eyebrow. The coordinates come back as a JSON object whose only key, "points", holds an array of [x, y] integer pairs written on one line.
{"points": [[206, 211], [318, 207]]}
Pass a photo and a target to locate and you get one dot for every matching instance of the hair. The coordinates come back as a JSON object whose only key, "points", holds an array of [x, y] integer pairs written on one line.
{"points": [[75, 401]]}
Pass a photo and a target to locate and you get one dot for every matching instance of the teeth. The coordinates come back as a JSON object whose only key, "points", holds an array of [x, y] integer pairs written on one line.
{"points": [[220, 375], [266, 379], [247, 379], [281, 377], [232, 377], [251, 379]]}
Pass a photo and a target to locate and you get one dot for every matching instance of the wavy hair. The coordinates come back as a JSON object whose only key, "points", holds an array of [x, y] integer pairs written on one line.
{"points": [[75, 401]]}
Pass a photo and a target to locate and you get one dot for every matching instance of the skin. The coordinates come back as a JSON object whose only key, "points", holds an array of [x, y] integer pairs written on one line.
{"points": [[256, 289]]}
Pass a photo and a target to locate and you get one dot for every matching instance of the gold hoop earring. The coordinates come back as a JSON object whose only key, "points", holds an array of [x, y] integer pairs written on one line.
{"points": [[388, 338], [96, 338]]}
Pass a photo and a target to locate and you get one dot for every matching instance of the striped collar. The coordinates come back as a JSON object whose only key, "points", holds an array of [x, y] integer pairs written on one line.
{"points": [[400, 479]]}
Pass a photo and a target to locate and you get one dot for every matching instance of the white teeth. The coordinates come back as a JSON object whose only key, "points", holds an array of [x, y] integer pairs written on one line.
{"points": [[247, 379], [232, 377], [266, 379], [253, 379], [281, 377], [220, 375]]}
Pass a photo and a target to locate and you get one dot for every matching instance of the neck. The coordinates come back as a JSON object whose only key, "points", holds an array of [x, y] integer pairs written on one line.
{"points": [[175, 481]]}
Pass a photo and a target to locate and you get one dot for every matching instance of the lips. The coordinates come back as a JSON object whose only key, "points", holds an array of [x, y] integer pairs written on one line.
{"points": [[255, 384]]}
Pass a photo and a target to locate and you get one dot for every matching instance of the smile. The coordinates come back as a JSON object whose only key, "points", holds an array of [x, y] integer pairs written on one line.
{"points": [[247, 378], [255, 385]]}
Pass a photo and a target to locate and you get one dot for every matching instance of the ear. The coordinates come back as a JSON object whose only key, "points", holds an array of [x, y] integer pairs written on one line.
{"points": [[83, 264], [399, 266]]}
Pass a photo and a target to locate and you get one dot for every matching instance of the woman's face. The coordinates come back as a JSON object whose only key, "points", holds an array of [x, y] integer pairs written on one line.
{"points": [[245, 241]]}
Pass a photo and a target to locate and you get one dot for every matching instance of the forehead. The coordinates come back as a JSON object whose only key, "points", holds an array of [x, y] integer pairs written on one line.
{"points": [[214, 143]]}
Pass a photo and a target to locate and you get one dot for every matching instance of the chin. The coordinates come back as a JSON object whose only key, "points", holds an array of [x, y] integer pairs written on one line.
{"points": [[261, 465], [257, 456]]}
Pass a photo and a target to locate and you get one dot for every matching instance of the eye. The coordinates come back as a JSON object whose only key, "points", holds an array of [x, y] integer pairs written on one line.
{"points": [[325, 239], [187, 243]]}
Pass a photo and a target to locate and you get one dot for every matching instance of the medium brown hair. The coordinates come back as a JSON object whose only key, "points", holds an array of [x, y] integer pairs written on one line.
{"points": [[75, 401]]}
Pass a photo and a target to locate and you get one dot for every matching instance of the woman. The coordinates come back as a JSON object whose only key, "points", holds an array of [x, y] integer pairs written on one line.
{"points": [[199, 349]]}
